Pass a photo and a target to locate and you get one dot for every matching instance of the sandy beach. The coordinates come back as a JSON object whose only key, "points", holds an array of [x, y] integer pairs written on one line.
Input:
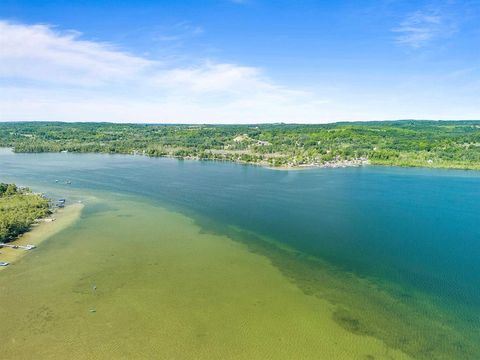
{"points": [[40, 232]]}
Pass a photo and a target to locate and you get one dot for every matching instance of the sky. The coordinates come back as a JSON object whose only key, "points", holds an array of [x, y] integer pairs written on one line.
{"points": [[239, 61]]}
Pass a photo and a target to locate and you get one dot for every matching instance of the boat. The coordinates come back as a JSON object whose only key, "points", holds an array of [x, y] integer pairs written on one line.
{"points": [[3, 263]]}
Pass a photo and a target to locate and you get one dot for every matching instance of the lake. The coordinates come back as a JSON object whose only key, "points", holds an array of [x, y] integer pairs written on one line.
{"points": [[201, 260]]}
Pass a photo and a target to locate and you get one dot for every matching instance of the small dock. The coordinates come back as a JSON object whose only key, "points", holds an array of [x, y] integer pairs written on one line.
{"points": [[24, 247]]}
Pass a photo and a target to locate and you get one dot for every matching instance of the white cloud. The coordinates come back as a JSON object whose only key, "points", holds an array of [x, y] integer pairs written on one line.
{"points": [[48, 74], [40, 53], [228, 79], [53, 75], [420, 28]]}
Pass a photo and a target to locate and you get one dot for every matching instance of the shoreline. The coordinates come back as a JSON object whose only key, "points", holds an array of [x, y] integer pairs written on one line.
{"points": [[329, 165], [40, 232], [335, 164]]}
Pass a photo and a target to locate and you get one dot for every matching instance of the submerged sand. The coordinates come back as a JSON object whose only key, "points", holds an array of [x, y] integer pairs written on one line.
{"points": [[134, 281], [40, 232]]}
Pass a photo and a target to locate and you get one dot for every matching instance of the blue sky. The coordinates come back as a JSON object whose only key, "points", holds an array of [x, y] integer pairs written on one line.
{"points": [[239, 61]]}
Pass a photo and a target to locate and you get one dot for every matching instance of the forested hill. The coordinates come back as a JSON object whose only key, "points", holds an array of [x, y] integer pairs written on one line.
{"points": [[19, 208], [452, 144]]}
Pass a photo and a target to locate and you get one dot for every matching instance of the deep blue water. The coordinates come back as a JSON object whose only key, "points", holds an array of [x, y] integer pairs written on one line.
{"points": [[414, 227]]}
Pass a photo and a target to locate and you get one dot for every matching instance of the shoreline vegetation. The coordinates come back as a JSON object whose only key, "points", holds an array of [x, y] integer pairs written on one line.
{"points": [[41, 231], [26, 219], [408, 143], [19, 210]]}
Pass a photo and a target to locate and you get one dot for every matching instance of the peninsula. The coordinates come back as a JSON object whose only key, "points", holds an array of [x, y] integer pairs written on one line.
{"points": [[26, 221], [19, 209]]}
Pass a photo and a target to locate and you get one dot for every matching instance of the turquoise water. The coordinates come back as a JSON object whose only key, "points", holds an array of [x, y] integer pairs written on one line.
{"points": [[412, 232]]}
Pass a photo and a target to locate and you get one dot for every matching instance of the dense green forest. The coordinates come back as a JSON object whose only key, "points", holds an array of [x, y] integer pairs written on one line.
{"points": [[452, 144], [18, 210]]}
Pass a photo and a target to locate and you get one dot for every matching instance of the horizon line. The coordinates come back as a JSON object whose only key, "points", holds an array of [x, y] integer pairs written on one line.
{"points": [[238, 124]]}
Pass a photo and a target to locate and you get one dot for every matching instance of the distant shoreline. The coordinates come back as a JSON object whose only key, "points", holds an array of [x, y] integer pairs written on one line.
{"points": [[328, 165], [427, 144]]}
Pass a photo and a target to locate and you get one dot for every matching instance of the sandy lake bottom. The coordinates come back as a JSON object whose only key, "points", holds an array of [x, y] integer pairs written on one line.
{"points": [[162, 266], [136, 281]]}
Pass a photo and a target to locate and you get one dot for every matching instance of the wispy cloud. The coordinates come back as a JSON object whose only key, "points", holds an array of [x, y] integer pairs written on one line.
{"points": [[179, 31], [50, 74], [40, 53], [42, 69], [421, 28]]}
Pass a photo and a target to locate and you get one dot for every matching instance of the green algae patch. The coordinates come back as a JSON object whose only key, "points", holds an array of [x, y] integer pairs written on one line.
{"points": [[160, 287]]}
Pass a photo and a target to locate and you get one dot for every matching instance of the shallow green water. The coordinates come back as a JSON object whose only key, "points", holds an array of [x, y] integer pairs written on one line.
{"points": [[214, 260]]}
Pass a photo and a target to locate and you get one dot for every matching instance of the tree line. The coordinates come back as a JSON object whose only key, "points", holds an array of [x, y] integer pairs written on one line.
{"points": [[19, 208], [452, 144]]}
